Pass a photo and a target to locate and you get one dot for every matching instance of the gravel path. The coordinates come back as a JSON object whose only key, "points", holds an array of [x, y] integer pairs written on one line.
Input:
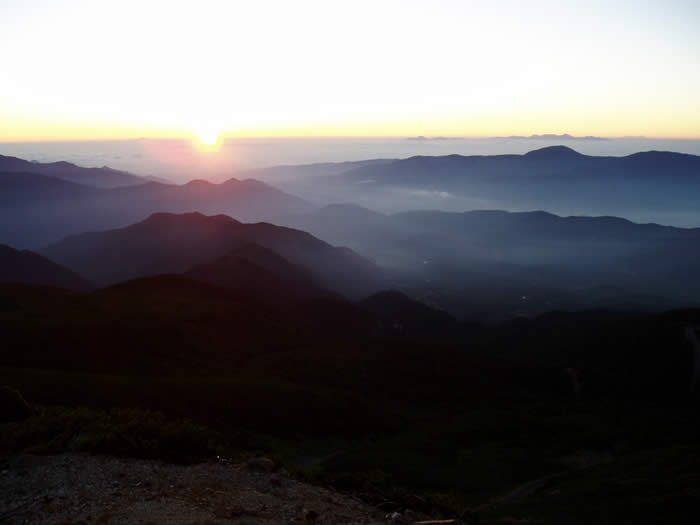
{"points": [[75, 488]]}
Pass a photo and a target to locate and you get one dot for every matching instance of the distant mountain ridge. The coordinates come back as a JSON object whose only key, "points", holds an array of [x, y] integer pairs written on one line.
{"points": [[515, 165], [650, 186], [554, 152], [103, 177], [492, 256], [337, 220], [286, 173], [653, 185], [552, 136], [36, 209]]}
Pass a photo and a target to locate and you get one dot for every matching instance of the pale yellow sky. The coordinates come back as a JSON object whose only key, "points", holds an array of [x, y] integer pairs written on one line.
{"points": [[102, 69]]}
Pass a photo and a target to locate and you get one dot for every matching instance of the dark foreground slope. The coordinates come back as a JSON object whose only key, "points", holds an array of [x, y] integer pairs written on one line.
{"points": [[28, 267], [599, 405], [83, 488], [173, 326]]}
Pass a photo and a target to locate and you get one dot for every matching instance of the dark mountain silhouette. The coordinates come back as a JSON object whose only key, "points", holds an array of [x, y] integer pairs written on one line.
{"points": [[104, 177], [37, 210], [169, 325], [28, 267], [166, 324], [406, 317], [169, 243], [259, 272], [250, 317], [553, 152], [596, 403]]}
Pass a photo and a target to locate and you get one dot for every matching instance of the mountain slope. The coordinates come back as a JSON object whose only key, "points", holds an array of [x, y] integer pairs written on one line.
{"points": [[261, 273], [36, 209], [97, 177], [553, 160], [284, 174], [31, 268], [531, 261], [647, 186], [169, 243], [553, 152], [407, 317], [18, 190]]}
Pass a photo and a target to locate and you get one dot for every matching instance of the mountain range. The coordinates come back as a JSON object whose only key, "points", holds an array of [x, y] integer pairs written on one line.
{"points": [[36, 210], [353, 345], [261, 273], [209, 246], [653, 186], [529, 261], [103, 177], [559, 161], [512, 263]]}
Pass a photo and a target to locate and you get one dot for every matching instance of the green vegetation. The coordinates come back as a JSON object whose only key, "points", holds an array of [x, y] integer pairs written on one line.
{"points": [[123, 432]]}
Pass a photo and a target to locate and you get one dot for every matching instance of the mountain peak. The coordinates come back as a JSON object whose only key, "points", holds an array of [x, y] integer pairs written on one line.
{"points": [[201, 183], [554, 152], [166, 218], [348, 210]]}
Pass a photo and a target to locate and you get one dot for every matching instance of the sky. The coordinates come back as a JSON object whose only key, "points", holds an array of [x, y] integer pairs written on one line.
{"points": [[75, 70]]}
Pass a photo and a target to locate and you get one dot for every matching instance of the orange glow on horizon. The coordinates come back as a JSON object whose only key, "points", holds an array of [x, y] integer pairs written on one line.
{"points": [[452, 68], [605, 122], [211, 140]]}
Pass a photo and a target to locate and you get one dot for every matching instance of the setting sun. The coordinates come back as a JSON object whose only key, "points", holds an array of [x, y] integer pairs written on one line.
{"points": [[208, 137]]}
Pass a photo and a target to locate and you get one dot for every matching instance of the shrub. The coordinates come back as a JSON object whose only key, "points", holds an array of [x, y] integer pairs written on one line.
{"points": [[122, 432]]}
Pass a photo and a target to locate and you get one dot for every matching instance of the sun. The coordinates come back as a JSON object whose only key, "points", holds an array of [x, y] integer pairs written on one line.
{"points": [[208, 137]]}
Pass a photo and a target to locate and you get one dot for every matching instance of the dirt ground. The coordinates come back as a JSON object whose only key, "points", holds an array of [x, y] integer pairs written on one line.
{"points": [[75, 488]]}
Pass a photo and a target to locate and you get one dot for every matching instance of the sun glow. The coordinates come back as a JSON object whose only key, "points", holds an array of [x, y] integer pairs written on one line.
{"points": [[214, 83], [208, 137]]}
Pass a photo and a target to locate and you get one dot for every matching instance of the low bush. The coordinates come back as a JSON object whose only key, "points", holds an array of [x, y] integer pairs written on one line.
{"points": [[122, 432]]}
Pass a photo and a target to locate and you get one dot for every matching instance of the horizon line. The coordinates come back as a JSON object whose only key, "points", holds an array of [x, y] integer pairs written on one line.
{"points": [[431, 137]]}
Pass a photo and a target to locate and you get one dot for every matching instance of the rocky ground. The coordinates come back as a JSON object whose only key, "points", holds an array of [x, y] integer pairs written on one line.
{"points": [[71, 489]]}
